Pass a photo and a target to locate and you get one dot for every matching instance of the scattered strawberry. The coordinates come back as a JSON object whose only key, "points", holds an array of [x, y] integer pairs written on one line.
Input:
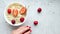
{"points": [[35, 22], [39, 10], [13, 21], [9, 11], [21, 19]]}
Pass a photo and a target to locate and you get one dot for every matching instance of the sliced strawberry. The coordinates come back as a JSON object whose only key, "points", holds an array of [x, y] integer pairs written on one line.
{"points": [[23, 10], [15, 12]]}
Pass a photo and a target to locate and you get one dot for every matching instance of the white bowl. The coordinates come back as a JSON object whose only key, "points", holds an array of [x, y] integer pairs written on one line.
{"points": [[7, 18]]}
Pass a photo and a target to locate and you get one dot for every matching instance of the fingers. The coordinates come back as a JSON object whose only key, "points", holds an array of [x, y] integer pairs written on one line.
{"points": [[28, 32], [23, 29]]}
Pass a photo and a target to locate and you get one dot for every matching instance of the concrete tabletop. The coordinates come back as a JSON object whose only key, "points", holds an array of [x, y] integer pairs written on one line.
{"points": [[49, 18]]}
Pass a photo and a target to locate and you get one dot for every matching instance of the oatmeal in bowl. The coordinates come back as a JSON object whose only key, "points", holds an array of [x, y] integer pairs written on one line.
{"points": [[15, 14]]}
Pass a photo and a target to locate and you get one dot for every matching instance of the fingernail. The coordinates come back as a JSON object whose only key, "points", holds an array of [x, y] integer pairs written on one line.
{"points": [[30, 30], [29, 26]]}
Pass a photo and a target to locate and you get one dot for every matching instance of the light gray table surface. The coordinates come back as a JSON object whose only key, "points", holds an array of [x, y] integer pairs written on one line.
{"points": [[49, 18]]}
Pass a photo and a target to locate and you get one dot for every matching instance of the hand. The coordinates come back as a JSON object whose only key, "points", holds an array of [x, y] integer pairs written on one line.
{"points": [[22, 30]]}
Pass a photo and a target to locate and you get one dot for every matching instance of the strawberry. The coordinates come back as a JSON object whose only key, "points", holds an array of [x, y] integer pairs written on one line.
{"points": [[13, 21], [39, 10], [23, 10], [35, 22], [9, 11], [21, 19], [15, 12]]}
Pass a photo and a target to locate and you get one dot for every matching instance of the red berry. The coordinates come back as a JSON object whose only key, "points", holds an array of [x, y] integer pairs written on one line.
{"points": [[21, 19], [39, 10], [9, 11], [35, 22], [13, 21]]}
